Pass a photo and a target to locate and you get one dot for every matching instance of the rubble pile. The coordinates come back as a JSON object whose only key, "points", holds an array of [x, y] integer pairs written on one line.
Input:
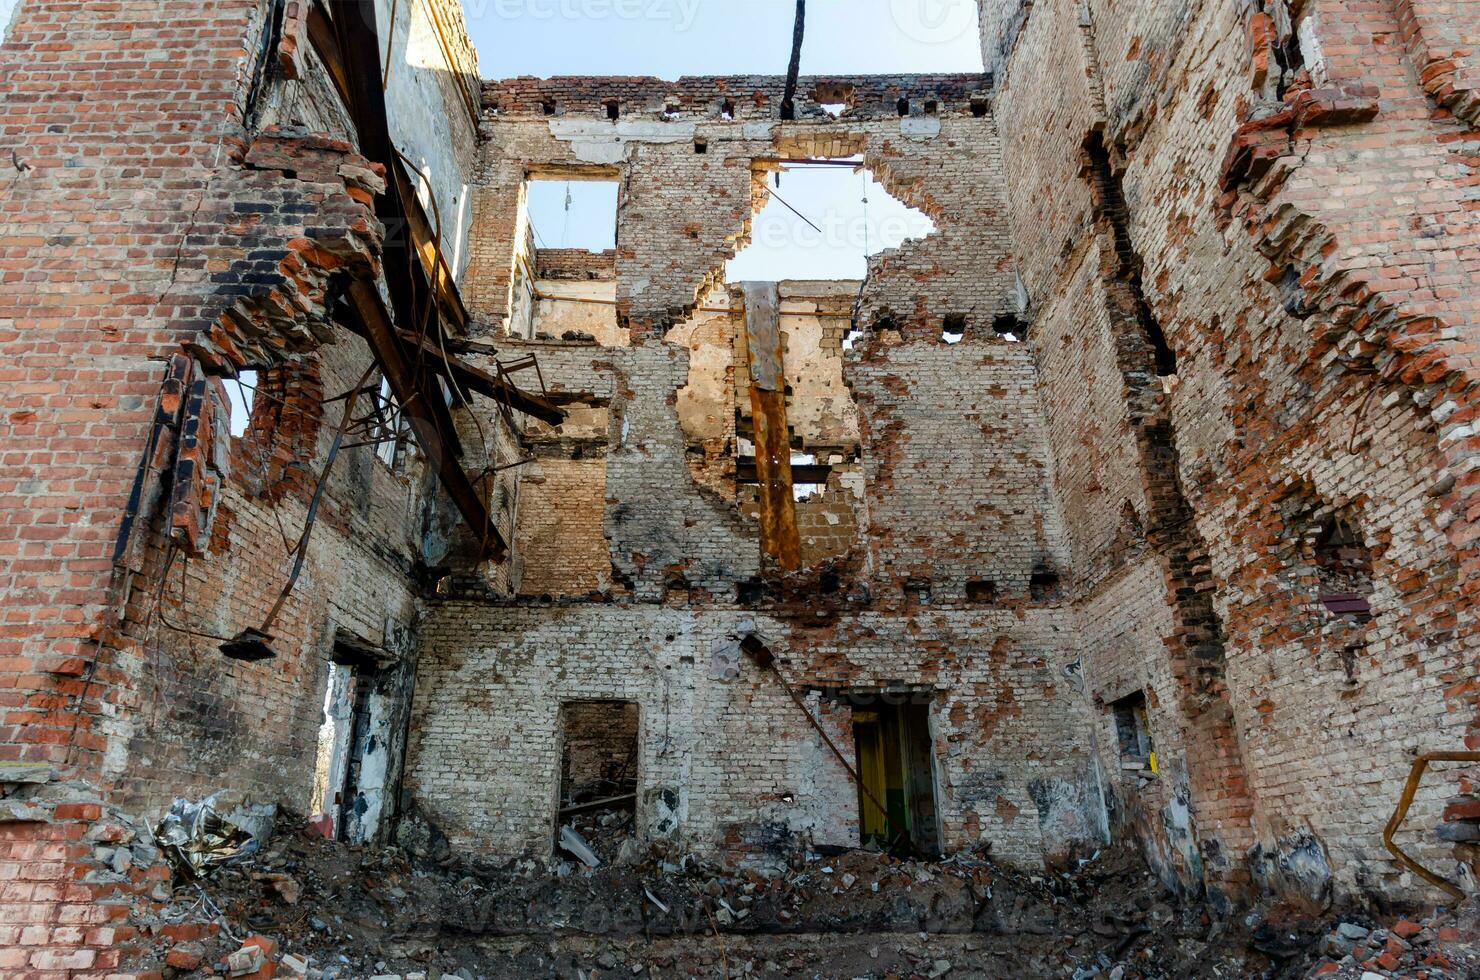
{"points": [[1443, 946], [305, 906]]}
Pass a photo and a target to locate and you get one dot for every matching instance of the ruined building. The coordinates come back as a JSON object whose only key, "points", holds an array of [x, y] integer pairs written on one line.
{"points": [[1138, 502]]}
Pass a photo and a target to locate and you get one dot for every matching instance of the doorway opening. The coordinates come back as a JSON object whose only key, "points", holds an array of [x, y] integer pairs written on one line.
{"points": [[353, 760], [896, 765], [598, 780]]}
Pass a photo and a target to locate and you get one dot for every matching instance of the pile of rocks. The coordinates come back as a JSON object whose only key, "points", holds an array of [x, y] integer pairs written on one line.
{"points": [[1444, 946]]}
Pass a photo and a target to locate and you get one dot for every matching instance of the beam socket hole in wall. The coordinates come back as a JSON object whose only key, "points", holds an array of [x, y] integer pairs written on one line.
{"points": [[670, 111], [917, 592], [547, 106], [953, 328], [727, 109], [979, 107], [1008, 327], [241, 396], [1133, 733], [613, 109], [597, 805], [902, 107], [931, 107], [701, 146], [788, 109], [981, 591], [1043, 586], [1345, 569], [896, 763]]}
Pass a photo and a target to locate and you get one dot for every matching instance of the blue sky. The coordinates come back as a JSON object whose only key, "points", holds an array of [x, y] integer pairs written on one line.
{"points": [[669, 38]]}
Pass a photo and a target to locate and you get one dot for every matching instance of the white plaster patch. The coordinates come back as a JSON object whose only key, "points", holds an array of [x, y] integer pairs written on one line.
{"points": [[920, 127]]}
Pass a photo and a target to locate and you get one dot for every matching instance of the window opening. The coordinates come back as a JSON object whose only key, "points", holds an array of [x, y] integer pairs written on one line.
{"points": [[598, 780], [584, 211], [1345, 569]]}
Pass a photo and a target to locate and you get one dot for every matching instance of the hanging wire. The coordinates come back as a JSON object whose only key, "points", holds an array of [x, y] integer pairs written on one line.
{"points": [[565, 226]]}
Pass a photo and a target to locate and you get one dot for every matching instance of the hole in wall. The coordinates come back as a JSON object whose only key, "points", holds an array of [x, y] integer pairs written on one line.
{"points": [[953, 328], [613, 109], [822, 223], [241, 396], [547, 106], [701, 146], [982, 591], [902, 107], [1043, 586], [932, 107], [979, 107], [727, 109]]}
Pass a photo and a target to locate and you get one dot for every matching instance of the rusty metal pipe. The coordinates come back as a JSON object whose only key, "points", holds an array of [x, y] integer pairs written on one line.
{"points": [[1410, 789]]}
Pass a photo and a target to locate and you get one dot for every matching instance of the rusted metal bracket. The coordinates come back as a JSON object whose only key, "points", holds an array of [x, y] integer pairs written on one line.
{"points": [[475, 379], [1415, 776]]}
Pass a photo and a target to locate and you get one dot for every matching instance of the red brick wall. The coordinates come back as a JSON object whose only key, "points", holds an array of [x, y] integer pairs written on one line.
{"points": [[1321, 364]]}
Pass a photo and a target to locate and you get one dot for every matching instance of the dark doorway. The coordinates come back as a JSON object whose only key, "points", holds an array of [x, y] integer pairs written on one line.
{"points": [[598, 779], [896, 763]]}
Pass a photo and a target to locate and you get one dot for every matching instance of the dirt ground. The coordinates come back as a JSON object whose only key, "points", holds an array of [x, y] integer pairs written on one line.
{"points": [[341, 911]]}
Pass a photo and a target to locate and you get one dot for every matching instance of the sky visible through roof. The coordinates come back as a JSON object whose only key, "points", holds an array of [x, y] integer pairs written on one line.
{"points": [[672, 38]]}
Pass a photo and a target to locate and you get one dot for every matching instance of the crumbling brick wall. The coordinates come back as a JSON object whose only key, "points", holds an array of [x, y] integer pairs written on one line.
{"points": [[1295, 309], [684, 212], [731, 765], [180, 202]]}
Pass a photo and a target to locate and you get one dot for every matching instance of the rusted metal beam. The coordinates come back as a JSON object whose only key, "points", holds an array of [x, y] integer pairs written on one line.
{"points": [[349, 43], [480, 381], [780, 537], [426, 411]]}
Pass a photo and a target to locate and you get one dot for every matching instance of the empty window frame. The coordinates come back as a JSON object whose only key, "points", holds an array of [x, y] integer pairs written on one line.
{"points": [[573, 213]]}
